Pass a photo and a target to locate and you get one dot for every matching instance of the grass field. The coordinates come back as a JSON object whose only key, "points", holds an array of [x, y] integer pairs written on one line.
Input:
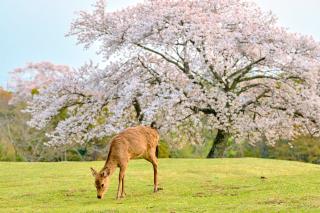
{"points": [[189, 185]]}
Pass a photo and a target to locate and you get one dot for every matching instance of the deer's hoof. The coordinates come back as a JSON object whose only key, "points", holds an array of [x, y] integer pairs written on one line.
{"points": [[157, 189], [121, 196]]}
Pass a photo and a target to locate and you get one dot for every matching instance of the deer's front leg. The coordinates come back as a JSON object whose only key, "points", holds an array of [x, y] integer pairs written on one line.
{"points": [[120, 185]]}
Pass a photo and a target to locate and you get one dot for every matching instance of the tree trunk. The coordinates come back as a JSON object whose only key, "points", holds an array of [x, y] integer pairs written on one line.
{"points": [[218, 145]]}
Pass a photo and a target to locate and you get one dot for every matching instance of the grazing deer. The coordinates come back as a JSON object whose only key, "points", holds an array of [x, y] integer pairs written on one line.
{"points": [[140, 141]]}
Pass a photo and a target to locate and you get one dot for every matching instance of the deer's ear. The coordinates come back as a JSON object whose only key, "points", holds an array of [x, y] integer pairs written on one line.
{"points": [[94, 172], [105, 173]]}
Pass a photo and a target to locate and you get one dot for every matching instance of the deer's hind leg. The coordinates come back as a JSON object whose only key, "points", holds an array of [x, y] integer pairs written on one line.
{"points": [[123, 193]]}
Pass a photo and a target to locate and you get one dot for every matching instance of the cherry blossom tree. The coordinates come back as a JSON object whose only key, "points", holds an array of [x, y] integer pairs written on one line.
{"points": [[222, 61]]}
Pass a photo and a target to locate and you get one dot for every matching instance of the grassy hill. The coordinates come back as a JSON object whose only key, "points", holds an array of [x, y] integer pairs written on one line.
{"points": [[189, 185]]}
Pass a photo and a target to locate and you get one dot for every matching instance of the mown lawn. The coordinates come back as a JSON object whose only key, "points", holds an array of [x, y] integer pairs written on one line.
{"points": [[189, 185]]}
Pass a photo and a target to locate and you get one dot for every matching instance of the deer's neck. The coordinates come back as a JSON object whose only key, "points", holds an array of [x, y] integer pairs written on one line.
{"points": [[110, 165]]}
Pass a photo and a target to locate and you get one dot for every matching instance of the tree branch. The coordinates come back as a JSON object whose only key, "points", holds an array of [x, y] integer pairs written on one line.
{"points": [[207, 110], [246, 88], [151, 71], [296, 114], [258, 77], [246, 69], [137, 107], [241, 73], [206, 61], [262, 95], [184, 68], [162, 55]]}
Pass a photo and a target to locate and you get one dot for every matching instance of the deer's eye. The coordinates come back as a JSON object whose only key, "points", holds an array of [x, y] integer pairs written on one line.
{"points": [[102, 185]]}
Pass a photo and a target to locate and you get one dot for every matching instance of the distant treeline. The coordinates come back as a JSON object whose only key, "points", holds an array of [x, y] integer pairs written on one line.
{"points": [[18, 142]]}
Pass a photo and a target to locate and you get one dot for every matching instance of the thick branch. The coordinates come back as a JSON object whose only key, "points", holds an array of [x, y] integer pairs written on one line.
{"points": [[262, 95], [246, 88], [246, 69], [184, 68], [137, 107], [206, 61], [258, 77], [296, 114], [151, 71], [162, 55], [207, 110], [241, 73]]}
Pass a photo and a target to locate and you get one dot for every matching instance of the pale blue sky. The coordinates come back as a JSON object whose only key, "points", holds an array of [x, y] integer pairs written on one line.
{"points": [[33, 30]]}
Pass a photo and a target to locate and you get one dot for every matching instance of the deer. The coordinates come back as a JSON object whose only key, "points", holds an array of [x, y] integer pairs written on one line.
{"points": [[133, 142]]}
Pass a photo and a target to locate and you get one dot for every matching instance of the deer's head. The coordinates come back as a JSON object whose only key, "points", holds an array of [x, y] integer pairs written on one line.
{"points": [[101, 181]]}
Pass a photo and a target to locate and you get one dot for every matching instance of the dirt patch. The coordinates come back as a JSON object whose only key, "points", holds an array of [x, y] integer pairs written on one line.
{"points": [[200, 194], [22, 195], [273, 201], [70, 192], [192, 171], [225, 190], [236, 187], [103, 211], [209, 194], [219, 188], [230, 194], [27, 194], [313, 200]]}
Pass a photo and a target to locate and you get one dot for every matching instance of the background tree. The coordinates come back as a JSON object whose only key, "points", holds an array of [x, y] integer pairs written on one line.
{"points": [[27, 80], [224, 61]]}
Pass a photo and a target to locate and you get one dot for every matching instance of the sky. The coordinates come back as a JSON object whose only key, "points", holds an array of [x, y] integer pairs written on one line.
{"points": [[33, 30]]}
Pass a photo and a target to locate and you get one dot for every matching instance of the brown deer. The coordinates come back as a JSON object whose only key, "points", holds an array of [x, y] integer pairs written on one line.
{"points": [[139, 141]]}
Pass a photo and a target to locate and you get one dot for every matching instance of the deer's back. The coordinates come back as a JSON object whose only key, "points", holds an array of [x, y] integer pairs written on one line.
{"points": [[134, 141]]}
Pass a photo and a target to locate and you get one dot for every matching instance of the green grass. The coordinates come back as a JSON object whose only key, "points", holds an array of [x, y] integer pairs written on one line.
{"points": [[189, 185]]}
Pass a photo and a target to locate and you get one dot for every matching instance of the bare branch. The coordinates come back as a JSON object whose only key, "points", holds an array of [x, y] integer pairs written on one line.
{"points": [[246, 69], [242, 72], [261, 95], [207, 110], [162, 55], [258, 77]]}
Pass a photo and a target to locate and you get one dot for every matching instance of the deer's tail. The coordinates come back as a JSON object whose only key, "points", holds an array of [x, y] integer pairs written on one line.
{"points": [[157, 151]]}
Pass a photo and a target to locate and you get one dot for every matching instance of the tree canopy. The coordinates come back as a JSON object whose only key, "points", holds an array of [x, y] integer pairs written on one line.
{"points": [[170, 61]]}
